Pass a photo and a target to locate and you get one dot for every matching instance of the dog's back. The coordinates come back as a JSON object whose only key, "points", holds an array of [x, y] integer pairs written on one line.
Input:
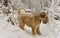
{"points": [[26, 18]]}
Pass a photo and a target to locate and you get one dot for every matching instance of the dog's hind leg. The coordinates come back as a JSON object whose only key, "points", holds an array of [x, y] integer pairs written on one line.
{"points": [[21, 24]]}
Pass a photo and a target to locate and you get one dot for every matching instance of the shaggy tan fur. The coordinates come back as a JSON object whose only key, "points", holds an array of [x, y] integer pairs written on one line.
{"points": [[32, 21]]}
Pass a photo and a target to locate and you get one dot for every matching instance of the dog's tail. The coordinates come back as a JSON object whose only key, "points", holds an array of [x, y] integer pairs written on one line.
{"points": [[19, 10]]}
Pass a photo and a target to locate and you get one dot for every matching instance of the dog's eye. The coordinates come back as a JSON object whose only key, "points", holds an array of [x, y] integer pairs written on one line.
{"points": [[43, 16]]}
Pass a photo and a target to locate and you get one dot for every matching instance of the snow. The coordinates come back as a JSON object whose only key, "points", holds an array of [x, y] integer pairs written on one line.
{"points": [[49, 30]]}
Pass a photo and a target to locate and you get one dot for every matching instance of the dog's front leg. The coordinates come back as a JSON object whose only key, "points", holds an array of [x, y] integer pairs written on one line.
{"points": [[38, 30], [34, 30]]}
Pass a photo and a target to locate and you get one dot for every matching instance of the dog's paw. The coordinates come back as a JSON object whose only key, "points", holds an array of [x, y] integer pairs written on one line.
{"points": [[39, 33]]}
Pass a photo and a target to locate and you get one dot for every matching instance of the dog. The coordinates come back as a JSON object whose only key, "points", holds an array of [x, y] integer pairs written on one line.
{"points": [[33, 21]]}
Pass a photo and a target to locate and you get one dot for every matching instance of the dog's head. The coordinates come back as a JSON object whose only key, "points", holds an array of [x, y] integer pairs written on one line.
{"points": [[44, 17]]}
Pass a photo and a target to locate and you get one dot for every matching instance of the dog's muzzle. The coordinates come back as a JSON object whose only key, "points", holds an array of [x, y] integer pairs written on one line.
{"points": [[45, 22]]}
